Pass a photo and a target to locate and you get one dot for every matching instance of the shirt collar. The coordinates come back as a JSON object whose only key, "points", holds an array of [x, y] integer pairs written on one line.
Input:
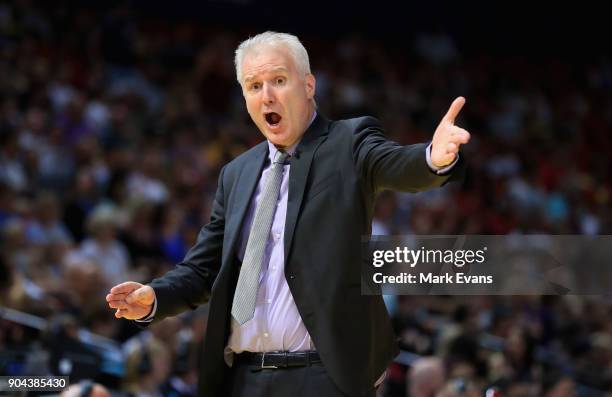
{"points": [[272, 150]]}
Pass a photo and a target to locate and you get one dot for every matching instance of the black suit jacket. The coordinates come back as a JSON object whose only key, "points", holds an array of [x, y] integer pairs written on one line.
{"points": [[335, 175]]}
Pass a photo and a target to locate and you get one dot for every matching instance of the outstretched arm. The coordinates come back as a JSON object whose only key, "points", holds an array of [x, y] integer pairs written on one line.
{"points": [[184, 287], [384, 164]]}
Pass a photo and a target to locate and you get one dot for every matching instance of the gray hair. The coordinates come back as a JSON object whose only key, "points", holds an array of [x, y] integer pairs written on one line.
{"points": [[273, 39]]}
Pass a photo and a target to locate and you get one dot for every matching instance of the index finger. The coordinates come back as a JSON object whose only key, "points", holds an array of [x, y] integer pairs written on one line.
{"points": [[454, 109], [124, 288]]}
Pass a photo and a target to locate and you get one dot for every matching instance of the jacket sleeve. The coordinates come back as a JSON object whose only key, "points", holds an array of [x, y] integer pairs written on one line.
{"points": [[189, 284], [384, 164]]}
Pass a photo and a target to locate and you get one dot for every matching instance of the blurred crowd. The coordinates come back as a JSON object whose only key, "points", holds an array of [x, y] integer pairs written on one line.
{"points": [[113, 128]]}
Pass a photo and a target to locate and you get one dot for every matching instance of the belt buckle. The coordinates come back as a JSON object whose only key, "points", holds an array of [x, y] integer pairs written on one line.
{"points": [[263, 357]]}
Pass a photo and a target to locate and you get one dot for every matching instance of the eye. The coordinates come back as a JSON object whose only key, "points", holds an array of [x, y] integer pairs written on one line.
{"points": [[280, 80], [255, 86]]}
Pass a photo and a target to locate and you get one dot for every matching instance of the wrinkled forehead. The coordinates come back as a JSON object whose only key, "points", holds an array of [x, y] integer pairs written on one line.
{"points": [[266, 59]]}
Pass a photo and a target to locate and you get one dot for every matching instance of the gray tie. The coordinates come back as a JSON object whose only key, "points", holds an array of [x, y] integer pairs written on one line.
{"points": [[243, 307]]}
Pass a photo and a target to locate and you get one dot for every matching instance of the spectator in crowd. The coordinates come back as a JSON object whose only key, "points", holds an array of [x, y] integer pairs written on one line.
{"points": [[103, 248], [86, 388], [147, 367], [426, 377]]}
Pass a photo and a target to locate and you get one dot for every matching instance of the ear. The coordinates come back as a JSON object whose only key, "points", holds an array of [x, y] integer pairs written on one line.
{"points": [[311, 85]]}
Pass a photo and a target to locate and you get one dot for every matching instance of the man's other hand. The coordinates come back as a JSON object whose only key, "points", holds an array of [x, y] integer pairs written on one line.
{"points": [[133, 301], [448, 137]]}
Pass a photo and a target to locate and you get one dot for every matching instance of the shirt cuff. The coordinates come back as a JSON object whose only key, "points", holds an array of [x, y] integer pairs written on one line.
{"points": [[151, 316], [438, 170]]}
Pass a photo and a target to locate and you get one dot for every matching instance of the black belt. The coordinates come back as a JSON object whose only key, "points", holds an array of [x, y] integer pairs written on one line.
{"points": [[275, 360]]}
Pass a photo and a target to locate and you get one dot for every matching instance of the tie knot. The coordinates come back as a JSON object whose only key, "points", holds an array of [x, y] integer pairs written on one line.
{"points": [[281, 157]]}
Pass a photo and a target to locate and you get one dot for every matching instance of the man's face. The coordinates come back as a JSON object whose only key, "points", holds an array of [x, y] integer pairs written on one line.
{"points": [[278, 97]]}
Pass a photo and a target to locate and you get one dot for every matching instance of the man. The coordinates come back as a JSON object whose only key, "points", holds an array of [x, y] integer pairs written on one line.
{"points": [[426, 377], [280, 259]]}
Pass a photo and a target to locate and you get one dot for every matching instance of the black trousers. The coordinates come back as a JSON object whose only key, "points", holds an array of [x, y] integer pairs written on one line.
{"points": [[307, 381]]}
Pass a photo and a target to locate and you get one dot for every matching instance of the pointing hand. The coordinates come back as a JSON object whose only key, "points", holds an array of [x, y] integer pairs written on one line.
{"points": [[448, 137]]}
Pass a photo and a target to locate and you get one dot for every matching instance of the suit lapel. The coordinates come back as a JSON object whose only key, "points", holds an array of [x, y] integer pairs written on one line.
{"points": [[298, 176], [245, 187]]}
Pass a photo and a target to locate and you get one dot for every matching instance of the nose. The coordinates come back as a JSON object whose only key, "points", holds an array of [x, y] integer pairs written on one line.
{"points": [[268, 94]]}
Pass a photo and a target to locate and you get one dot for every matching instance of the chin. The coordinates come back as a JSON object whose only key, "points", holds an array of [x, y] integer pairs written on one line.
{"points": [[278, 143], [278, 139]]}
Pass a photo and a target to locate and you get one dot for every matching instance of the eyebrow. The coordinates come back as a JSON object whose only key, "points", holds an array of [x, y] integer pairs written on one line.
{"points": [[273, 70]]}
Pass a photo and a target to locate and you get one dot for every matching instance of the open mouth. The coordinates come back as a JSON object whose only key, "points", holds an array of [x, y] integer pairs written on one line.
{"points": [[273, 118]]}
